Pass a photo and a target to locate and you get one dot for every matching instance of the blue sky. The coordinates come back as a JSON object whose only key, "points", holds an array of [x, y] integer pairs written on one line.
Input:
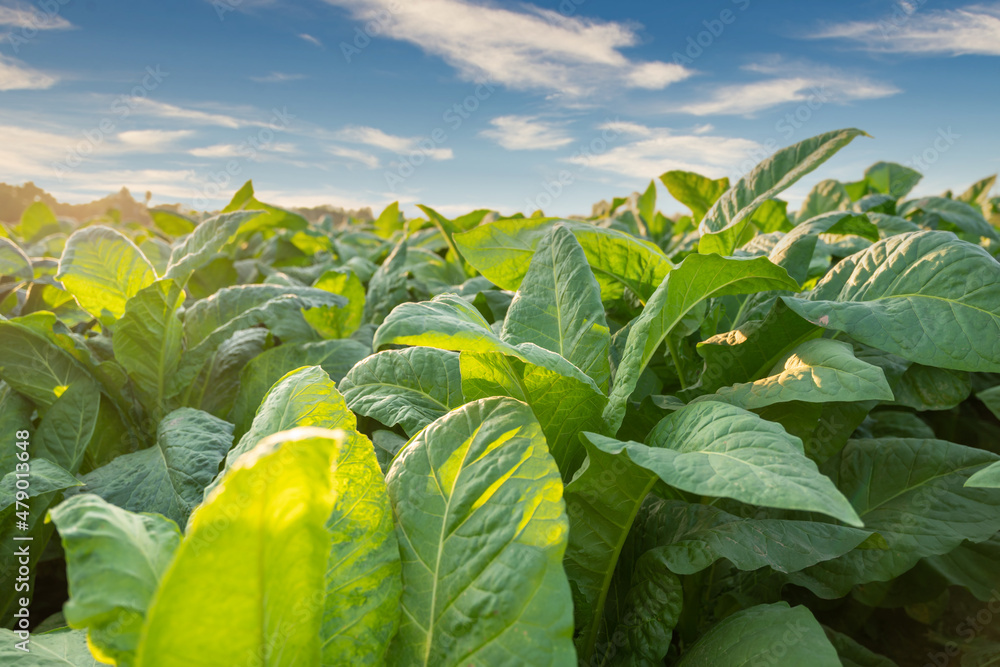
{"points": [[462, 104]]}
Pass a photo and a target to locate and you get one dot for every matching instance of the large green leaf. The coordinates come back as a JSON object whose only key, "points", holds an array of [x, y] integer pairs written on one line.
{"points": [[695, 191], [15, 414], [502, 252], [362, 581], [988, 477], [602, 501], [931, 388], [243, 585], [114, 562], [363, 584], [410, 387], [641, 614], [388, 286], [148, 342], [796, 250], [60, 648], [719, 450], [172, 222], [954, 216], [45, 477], [103, 270], [339, 322], [816, 371], [68, 426], [853, 654], [201, 246], [449, 322], [33, 364], [751, 350], [564, 406], [726, 221], [37, 221], [280, 307], [558, 307], [925, 296], [699, 277], [13, 262], [220, 382], [826, 196], [892, 179], [768, 634], [689, 537], [910, 491], [388, 222], [303, 397], [972, 565], [170, 477], [335, 357], [482, 533]]}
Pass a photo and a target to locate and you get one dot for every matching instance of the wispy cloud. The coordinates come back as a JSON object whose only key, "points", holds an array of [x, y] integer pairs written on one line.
{"points": [[312, 40], [531, 49], [355, 155], [371, 136], [525, 133], [646, 152], [24, 15], [789, 83], [216, 151], [974, 29], [15, 75], [277, 77], [165, 110], [152, 140]]}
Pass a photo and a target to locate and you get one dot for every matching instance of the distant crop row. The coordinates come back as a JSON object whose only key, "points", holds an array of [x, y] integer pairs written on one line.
{"points": [[621, 440]]}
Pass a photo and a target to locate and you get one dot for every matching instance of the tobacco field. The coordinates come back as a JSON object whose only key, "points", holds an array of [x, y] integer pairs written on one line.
{"points": [[734, 437]]}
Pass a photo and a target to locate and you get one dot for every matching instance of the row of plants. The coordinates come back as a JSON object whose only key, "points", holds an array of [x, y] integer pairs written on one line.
{"points": [[628, 439]]}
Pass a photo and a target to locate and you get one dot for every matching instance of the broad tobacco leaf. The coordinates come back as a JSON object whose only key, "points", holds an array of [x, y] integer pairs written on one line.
{"points": [[699, 277], [558, 307], [913, 493], [925, 296], [817, 371], [726, 221], [765, 634], [169, 477], [114, 562], [103, 269], [482, 531], [410, 387], [502, 252], [247, 582]]}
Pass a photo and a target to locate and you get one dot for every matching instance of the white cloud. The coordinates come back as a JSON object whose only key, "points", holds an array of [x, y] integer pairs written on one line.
{"points": [[532, 49], [974, 29], [30, 17], [626, 127], [277, 77], [312, 40], [164, 110], [152, 140], [525, 133], [216, 151], [364, 158], [15, 75], [789, 83], [659, 149], [371, 136]]}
